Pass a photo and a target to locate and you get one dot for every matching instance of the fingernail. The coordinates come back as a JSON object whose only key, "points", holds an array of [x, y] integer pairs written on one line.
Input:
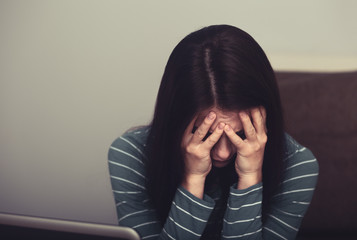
{"points": [[228, 128], [243, 114], [221, 125], [211, 115]]}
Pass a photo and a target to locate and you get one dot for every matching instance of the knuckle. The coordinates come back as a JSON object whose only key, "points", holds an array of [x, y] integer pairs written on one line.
{"points": [[200, 133], [211, 141], [264, 138], [195, 152], [238, 142], [189, 149], [256, 146], [251, 131]]}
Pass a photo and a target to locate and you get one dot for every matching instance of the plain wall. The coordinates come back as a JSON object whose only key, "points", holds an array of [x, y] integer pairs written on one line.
{"points": [[74, 75]]}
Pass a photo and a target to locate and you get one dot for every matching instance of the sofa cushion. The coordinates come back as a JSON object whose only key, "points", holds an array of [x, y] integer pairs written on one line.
{"points": [[320, 111]]}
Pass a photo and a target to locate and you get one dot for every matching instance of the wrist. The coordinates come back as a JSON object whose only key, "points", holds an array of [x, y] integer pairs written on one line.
{"points": [[194, 184], [248, 180]]}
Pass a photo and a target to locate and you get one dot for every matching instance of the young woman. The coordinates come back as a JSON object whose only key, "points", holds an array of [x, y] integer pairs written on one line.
{"points": [[215, 163]]}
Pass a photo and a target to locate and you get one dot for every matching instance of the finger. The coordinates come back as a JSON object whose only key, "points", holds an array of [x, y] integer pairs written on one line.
{"points": [[202, 130], [248, 127], [233, 137], [264, 115], [258, 120], [215, 136]]}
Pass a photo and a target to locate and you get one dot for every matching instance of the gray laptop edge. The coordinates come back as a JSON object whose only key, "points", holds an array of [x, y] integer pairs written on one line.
{"points": [[68, 226]]}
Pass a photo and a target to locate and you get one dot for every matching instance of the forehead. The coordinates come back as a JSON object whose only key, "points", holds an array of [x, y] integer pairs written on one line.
{"points": [[227, 117]]}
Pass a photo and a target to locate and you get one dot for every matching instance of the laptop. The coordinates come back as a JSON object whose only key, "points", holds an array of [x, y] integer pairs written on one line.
{"points": [[13, 226]]}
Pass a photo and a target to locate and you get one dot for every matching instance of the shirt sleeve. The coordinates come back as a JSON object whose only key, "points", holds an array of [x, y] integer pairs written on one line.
{"points": [[290, 204], [188, 215], [243, 217]]}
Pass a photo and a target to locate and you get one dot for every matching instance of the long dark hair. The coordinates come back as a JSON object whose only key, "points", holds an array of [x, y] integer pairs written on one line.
{"points": [[220, 66]]}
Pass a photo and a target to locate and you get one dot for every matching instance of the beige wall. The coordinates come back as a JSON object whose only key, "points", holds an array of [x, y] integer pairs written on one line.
{"points": [[75, 74]]}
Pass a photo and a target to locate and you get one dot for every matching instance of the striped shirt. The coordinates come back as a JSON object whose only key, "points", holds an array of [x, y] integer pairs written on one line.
{"points": [[189, 215]]}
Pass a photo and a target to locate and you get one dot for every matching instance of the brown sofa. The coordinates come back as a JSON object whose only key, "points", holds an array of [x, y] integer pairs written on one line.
{"points": [[320, 112]]}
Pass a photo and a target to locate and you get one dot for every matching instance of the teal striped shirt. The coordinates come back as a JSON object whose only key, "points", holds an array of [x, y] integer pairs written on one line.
{"points": [[189, 215]]}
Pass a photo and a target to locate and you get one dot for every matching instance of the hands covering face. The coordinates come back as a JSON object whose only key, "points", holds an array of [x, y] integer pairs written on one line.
{"points": [[250, 151]]}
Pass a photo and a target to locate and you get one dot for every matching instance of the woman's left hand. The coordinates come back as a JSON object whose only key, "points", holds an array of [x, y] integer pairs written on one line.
{"points": [[250, 151]]}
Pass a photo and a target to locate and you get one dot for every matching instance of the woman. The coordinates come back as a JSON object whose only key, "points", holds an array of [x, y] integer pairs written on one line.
{"points": [[215, 162]]}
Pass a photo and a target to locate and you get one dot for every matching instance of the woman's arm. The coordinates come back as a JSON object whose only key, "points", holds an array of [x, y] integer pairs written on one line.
{"points": [[188, 214], [289, 205], [197, 153], [243, 218]]}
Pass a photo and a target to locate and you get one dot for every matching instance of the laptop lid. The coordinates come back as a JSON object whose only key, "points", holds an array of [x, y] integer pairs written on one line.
{"points": [[69, 226]]}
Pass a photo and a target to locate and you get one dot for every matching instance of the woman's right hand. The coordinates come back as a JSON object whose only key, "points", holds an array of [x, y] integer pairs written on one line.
{"points": [[197, 153]]}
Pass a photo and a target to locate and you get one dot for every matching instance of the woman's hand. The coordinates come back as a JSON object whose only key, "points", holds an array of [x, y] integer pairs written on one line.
{"points": [[250, 152], [197, 153]]}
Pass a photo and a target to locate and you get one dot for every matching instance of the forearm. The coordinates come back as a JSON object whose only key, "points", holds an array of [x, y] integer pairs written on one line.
{"points": [[194, 184], [248, 180], [188, 215], [243, 213]]}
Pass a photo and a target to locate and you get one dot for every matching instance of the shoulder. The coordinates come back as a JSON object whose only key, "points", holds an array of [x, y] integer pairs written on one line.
{"points": [[129, 149], [301, 168], [295, 192], [297, 156], [299, 178], [126, 163], [132, 139]]}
